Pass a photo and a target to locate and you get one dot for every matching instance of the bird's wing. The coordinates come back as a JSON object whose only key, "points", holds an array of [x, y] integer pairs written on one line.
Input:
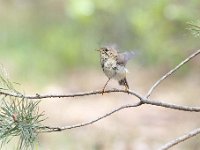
{"points": [[123, 58]]}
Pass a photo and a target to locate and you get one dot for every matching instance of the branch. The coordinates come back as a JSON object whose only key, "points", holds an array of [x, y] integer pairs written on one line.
{"points": [[38, 96], [181, 139], [54, 129], [171, 72], [141, 98], [141, 102], [171, 106]]}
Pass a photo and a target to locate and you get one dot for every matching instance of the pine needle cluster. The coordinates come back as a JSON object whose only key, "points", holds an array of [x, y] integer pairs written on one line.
{"points": [[19, 117]]}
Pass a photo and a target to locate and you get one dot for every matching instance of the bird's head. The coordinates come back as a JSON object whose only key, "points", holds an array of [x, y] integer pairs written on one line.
{"points": [[108, 51]]}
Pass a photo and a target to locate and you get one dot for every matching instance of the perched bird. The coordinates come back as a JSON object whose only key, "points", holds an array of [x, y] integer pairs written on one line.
{"points": [[113, 64]]}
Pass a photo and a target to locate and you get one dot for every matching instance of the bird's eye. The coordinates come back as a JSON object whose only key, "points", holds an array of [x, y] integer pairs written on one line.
{"points": [[106, 50]]}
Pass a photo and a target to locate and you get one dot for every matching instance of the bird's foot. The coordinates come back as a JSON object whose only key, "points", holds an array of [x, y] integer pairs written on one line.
{"points": [[103, 91], [127, 89]]}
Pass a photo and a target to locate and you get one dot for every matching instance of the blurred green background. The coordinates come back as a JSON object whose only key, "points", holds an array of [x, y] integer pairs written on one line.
{"points": [[49, 47], [51, 36]]}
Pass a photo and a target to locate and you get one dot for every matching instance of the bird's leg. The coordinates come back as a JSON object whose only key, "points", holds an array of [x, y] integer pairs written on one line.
{"points": [[127, 89], [105, 86]]}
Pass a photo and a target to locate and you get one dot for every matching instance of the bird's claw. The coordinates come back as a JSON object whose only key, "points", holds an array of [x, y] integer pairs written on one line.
{"points": [[127, 89], [103, 91]]}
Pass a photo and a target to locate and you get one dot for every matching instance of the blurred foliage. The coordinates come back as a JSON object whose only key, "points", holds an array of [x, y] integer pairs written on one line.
{"points": [[195, 28], [53, 36]]}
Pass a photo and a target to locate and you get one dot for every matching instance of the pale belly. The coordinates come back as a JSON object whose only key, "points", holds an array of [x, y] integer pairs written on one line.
{"points": [[120, 73], [109, 72], [112, 70]]}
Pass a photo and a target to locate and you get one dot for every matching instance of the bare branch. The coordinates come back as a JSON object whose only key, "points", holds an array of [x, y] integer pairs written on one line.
{"points": [[171, 106], [38, 96], [166, 105], [181, 139], [141, 98], [55, 129], [171, 72]]}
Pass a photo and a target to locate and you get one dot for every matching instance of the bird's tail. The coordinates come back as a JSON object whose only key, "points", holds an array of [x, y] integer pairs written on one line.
{"points": [[124, 82]]}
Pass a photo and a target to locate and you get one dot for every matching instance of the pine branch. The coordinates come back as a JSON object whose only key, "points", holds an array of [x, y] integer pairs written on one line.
{"points": [[19, 117]]}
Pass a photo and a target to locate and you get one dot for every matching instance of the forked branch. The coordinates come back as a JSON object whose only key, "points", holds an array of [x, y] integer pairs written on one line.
{"points": [[54, 129]]}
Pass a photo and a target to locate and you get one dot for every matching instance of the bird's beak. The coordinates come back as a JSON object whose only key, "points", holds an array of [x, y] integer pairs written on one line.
{"points": [[97, 50]]}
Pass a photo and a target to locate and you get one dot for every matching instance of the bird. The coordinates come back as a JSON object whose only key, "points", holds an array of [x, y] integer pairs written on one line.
{"points": [[113, 64]]}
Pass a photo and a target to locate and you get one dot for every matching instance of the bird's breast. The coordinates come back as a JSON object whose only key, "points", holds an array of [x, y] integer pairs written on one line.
{"points": [[110, 68], [113, 70]]}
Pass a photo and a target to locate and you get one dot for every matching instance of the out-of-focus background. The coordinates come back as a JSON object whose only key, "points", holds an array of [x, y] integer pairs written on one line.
{"points": [[48, 46]]}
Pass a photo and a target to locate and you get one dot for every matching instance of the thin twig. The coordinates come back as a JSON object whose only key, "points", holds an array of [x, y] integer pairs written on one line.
{"points": [[55, 129], [181, 139], [141, 102], [171, 72]]}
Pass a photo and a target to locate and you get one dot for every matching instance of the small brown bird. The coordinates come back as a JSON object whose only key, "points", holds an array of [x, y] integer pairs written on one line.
{"points": [[113, 64]]}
